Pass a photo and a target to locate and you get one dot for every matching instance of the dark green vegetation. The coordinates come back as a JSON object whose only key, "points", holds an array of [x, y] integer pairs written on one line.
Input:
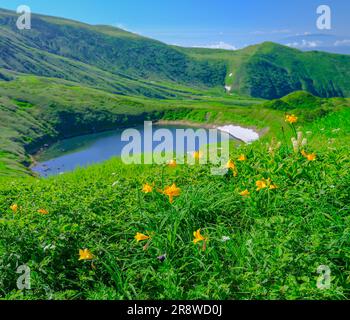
{"points": [[66, 78], [306, 105]]}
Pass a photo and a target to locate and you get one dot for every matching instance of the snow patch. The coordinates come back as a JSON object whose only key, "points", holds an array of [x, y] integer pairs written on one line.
{"points": [[243, 134]]}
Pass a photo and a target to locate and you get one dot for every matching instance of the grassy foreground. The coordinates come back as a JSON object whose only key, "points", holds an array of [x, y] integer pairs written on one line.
{"points": [[267, 244]]}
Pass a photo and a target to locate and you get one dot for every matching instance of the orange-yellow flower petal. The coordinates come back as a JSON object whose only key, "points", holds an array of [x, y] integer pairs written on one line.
{"points": [[172, 163], [261, 184], [171, 192], [43, 211], [14, 208], [147, 188], [245, 193], [141, 237], [85, 255], [264, 184], [242, 157], [311, 157], [291, 118], [231, 165], [198, 237]]}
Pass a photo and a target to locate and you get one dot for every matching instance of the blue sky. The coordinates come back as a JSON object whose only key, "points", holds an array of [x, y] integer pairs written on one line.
{"points": [[224, 23]]}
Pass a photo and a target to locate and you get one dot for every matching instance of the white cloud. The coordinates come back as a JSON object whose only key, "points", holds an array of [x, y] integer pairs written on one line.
{"points": [[305, 44], [219, 45], [344, 42]]}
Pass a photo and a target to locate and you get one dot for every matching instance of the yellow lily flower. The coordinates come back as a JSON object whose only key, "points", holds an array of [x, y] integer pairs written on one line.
{"points": [[261, 184], [43, 211], [85, 255], [147, 188], [172, 163], [198, 237], [172, 192], [291, 118], [242, 157], [231, 165], [245, 193], [264, 184], [141, 237], [309, 157], [14, 208]]}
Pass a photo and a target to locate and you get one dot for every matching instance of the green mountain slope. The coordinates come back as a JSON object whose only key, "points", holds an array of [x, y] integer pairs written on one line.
{"points": [[41, 51], [307, 106], [125, 63], [300, 100], [272, 71]]}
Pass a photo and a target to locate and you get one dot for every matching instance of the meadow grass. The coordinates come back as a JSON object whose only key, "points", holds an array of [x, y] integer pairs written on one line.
{"points": [[274, 240]]}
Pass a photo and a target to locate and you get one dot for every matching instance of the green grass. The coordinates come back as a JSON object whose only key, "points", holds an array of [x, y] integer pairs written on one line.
{"points": [[278, 237]]}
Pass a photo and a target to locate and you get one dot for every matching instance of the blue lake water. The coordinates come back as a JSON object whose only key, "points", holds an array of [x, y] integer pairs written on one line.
{"points": [[82, 151]]}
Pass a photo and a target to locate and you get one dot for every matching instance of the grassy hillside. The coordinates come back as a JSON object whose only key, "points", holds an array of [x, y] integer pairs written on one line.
{"points": [[265, 245], [274, 71], [121, 62], [56, 47], [306, 105], [271, 71]]}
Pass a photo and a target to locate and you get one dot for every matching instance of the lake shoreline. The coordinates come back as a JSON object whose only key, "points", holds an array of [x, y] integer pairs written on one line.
{"points": [[240, 134], [218, 126]]}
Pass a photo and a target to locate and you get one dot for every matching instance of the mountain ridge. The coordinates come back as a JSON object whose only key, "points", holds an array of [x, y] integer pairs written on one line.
{"points": [[125, 63]]}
